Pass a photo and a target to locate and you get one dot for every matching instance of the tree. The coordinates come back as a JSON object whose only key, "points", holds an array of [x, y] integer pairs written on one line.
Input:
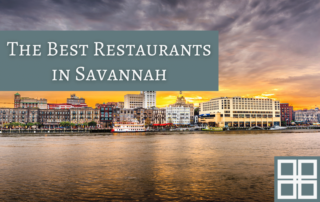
{"points": [[196, 111], [30, 124], [92, 123], [85, 124], [283, 123]]}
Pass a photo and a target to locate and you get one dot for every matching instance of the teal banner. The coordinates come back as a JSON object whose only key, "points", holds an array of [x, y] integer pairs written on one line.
{"points": [[109, 60]]}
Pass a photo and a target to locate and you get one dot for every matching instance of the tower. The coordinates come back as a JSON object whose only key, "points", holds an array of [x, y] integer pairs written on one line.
{"points": [[17, 100], [149, 99]]}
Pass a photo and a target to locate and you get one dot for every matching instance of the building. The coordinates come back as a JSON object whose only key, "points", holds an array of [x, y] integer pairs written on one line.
{"points": [[159, 116], [106, 114], [307, 116], [132, 101], [66, 106], [124, 115], [74, 100], [51, 118], [146, 99], [143, 115], [17, 100], [178, 115], [286, 113], [80, 116], [181, 102], [26, 102], [149, 99], [120, 105], [19, 115], [240, 112]]}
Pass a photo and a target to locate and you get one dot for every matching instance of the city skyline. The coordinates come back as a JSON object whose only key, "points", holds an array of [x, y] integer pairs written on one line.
{"points": [[164, 98]]}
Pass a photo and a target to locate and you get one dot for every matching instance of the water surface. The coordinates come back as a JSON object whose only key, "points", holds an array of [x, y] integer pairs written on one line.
{"points": [[235, 166]]}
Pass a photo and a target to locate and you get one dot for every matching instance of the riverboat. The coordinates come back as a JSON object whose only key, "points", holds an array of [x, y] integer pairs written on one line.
{"points": [[128, 127], [278, 128]]}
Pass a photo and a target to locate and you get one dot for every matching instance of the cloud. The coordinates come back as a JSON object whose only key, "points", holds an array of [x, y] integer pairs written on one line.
{"points": [[261, 42]]}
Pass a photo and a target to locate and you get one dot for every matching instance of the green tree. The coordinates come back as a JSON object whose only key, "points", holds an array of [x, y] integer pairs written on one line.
{"points": [[196, 111], [30, 124], [92, 123]]}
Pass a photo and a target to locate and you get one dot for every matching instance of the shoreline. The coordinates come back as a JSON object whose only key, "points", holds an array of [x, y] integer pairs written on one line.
{"points": [[231, 132]]}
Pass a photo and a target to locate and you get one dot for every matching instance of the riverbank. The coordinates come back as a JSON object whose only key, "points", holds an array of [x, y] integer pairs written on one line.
{"points": [[226, 132]]}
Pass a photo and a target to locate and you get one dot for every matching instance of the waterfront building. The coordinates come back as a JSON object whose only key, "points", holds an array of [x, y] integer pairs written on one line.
{"points": [[84, 115], [181, 102], [178, 115], [106, 114], [149, 99], [132, 101], [143, 115], [159, 116], [19, 115], [74, 100], [308, 116], [51, 118], [286, 113], [124, 115], [26, 102], [240, 112]]}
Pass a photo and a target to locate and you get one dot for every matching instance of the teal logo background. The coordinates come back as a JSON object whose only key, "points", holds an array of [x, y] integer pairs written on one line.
{"points": [[296, 178], [183, 73]]}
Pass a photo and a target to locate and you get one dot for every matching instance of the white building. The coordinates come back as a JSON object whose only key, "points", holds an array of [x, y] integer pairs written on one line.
{"points": [[149, 99], [146, 99], [178, 115], [308, 116], [240, 112], [132, 101]]}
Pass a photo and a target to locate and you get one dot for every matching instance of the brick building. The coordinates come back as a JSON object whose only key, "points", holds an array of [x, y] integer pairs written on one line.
{"points": [[286, 113]]}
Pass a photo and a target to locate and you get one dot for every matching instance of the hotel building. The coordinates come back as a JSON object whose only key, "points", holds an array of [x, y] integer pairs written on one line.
{"points": [[149, 99], [240, 112], [146, 99], [132, 101]]}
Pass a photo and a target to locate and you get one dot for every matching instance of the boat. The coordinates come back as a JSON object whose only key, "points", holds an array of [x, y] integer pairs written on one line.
{"points": [[128, 127], [212, 129], [278, 128]]}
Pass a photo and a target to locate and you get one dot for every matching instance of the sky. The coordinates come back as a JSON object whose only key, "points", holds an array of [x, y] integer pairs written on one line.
{"points": [[266, 48]]}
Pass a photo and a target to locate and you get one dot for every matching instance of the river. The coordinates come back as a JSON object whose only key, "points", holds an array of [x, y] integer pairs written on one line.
{"points": [[232, 166]]}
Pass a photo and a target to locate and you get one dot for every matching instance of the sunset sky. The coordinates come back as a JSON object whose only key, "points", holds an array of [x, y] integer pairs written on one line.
{"points": [[267, 48]]}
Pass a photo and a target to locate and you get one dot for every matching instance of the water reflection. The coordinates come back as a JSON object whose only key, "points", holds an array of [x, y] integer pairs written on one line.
{"points": [[141, 166]]}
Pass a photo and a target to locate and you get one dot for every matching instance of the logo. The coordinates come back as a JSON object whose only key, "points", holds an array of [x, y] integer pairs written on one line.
{"points": [[296, 178]]}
